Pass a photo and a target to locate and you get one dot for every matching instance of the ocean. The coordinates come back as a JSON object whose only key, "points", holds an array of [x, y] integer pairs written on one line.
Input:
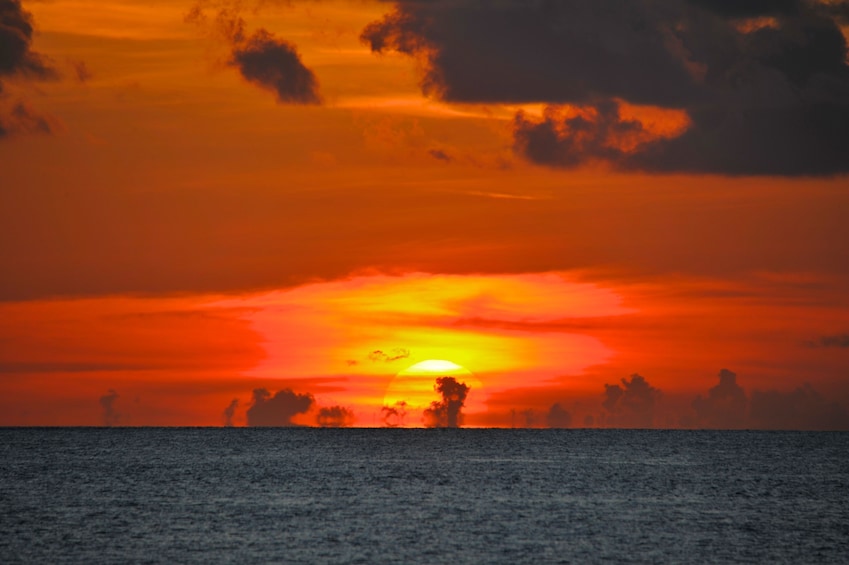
{"points": [[297, 495]]}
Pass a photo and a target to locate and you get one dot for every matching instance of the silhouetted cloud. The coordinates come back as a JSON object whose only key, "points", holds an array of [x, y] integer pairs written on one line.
{"points": [[20, 118], [841, 341], [558, 417], [801, 409], [765, 84], [335, 417], [393, 416], [632, 404], [440, 155], [278, 410], [111, 416], [394, 355], [447, 413], [725, 405], [230, 412], [81, 70], [263, 59], [17, 59]]}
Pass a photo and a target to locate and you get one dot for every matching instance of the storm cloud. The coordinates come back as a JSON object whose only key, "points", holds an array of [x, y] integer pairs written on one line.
{"points": [[277, 410], [765, 85]]}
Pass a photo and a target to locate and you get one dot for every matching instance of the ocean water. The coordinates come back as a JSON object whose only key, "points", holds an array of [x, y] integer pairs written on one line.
{"points": [[165, 495]]}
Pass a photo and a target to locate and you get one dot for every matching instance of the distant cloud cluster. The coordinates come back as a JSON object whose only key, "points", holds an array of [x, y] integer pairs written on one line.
{"points": [[765, 84], [635, 404]]}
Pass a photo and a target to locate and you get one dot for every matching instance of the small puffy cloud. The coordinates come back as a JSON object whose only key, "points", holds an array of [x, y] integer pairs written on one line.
{"points": [[279, 409], [111, 416], [558, 417], [447, 413], [230, 413], [262, 58], [335, 417], [840, 341], [274, 64], [725, 405], [631, 404], [394, 355], [393, 416], [22, 119]]}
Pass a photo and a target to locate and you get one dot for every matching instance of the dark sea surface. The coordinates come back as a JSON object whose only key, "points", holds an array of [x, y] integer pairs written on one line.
{"points": [[171, 495]]}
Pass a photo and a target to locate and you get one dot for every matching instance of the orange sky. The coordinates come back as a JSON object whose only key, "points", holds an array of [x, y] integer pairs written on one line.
{"points": [[183, 235]]}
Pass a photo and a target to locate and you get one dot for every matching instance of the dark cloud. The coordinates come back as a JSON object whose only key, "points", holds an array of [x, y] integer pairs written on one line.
{"points": [[725, 405], [764, 96], [18, 60], [335, 417], [447, 413], [16, 57], [275, 65], [111, 416], [558, 417], [440, 155], [632, 404], [230, 412], [394, 355], [261, 58], [393, 416], [840, 341], [278, 410], [81, 70], [20, 119], [801, 409]]}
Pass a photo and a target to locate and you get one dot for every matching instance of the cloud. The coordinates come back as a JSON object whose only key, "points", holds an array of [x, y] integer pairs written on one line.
{"points": [[22, 119], [447, 413], [840, 341], [274, 64], [393, 416], [725, 405], [801, 409], [765, 84], [263, 59], [335, 417], [278, 410], [632, 404], [394, 355], [16, 57], [558, 417], [111, 416], [230, 412]]}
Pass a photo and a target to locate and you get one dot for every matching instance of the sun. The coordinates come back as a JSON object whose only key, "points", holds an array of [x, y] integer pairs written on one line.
{"points": [[414, 386]]}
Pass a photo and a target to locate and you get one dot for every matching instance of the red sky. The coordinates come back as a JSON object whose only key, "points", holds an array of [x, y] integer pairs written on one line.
{"points": [[192, 208]]}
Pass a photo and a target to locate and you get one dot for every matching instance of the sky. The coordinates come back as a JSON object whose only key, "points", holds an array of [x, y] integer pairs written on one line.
{"points": [[269, 212]]}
